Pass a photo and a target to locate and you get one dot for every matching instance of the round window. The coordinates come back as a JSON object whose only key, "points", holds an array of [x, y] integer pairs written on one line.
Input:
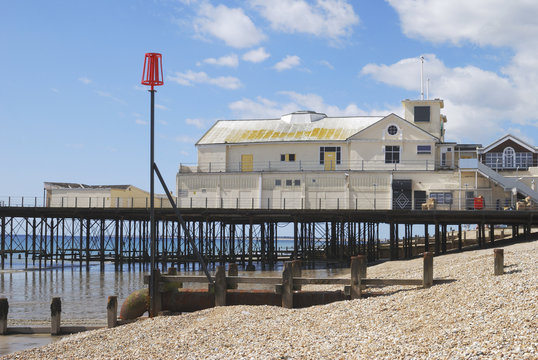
{"points": [[392, 130]]}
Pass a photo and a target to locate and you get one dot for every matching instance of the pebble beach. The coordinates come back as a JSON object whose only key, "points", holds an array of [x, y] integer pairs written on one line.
{"points": [[477, 316]]}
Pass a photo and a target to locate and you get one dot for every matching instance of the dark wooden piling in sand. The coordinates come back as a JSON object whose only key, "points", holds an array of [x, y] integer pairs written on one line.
{"points": [[498, 262]]}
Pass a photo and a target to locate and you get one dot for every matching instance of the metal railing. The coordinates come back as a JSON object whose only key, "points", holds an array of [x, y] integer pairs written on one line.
{"points": [[300, 165], [355, 200]]}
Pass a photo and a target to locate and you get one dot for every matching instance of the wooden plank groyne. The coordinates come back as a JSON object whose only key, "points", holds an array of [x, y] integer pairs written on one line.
{"points": [[287, 289]]}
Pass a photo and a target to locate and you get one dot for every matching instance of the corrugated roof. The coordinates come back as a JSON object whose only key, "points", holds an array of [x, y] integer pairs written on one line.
{"points": [[277, 130], [64, 185]]}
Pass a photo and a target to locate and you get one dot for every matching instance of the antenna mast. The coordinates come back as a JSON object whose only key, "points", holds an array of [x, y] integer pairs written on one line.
{"points": [[421, 77], [428, 89]]}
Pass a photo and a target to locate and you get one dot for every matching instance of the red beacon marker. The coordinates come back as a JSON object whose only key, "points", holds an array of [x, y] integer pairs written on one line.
{"points": [[153, 70], [152, 75]]}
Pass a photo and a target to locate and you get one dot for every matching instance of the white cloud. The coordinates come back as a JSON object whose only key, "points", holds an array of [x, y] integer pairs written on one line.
{"points": [[483, 22], [228, 60], [54, 90], [140, 87], [190, 77], [230, 25], [265, 108], [288, 62], [84, 80], [327, 64], [482, 103], [477, 102], [141, 122], [199, 123], [110, 96], [256, 56], [186, 139], [161, 107], [328, 18]]}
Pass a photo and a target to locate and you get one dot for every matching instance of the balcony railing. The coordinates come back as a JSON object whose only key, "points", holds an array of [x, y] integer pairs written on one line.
{"points": [[369, 200], [299, 165]]}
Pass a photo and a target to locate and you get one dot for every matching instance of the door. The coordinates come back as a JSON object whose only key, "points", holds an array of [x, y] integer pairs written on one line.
{"points": [[246, 162], [469, 200], [401, 194], [420, 198], [330, 160]]}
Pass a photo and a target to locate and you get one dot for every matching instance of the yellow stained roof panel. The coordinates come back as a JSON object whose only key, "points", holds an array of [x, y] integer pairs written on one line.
{"points": [[277, 130]]}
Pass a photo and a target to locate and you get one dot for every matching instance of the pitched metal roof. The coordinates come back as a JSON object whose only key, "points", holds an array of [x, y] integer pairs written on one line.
{"points": [[283, 130]]}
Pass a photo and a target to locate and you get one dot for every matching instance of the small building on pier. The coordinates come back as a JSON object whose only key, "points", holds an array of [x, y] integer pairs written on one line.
{"points": [[308, 160], [62, 194]]}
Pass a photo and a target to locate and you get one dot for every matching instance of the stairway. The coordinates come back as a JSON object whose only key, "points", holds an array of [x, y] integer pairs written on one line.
{"points": [[507, 183]]}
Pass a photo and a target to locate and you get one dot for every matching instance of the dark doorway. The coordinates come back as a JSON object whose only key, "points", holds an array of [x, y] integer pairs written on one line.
{"points": [[420, 198], [401, 195]]}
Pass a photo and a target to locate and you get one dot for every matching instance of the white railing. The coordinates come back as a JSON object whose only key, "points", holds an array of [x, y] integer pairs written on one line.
{"points": [[299, 165]]}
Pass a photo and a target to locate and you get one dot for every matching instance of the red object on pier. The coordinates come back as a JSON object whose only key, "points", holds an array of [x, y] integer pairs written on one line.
{"points": [[153, 70], [478, 203]]}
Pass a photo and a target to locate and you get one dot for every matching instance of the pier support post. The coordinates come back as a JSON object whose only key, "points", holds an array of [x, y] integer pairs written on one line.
{"points": [[287, 286], [427, 279], [112, 311], [232, 271], [498, 263], [220, 286], [4, 308], [356, 277], [55, 315], [297, 272]]}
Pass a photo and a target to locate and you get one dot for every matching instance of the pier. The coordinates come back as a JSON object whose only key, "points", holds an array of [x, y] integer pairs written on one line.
{"points": [[45, 237]]}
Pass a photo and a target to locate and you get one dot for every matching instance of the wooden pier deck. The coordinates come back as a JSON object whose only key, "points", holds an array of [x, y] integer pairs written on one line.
{"points": [[44, 236]]}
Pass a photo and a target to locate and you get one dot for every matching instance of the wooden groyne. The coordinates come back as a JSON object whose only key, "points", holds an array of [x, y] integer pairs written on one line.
{"points": [[287, 292]]}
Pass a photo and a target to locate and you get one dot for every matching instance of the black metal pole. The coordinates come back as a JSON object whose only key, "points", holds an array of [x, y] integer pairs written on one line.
{"points": [[152, 287]]}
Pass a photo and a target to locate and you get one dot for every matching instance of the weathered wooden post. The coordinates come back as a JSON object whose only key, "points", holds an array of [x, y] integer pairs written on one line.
{"points": [[157, 305], [287, 286], [297, 272], [498, 263], [427, 279], [112, 311], [232, 271], [55, 315], [363, 266], [220, 286], [355, 278], [4, 308]]}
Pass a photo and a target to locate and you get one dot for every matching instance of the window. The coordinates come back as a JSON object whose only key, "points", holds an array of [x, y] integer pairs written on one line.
{"points": [[288, 182], [424, 149], [287, 157], [494, 160], [422, 113], [278, 182], [523, 160], [442, 198], [329, 149], [392, 130], [297, 182], [509, 157], [392, 154], [504, 160]]}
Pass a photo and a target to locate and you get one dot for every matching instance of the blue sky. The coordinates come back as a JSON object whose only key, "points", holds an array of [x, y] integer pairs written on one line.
{"points": [[72, 108]]}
